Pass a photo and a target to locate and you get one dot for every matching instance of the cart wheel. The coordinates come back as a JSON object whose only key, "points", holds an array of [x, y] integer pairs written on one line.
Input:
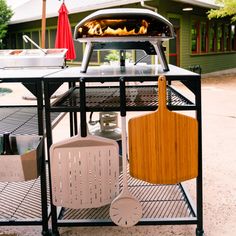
{"points": [[199, 232]]}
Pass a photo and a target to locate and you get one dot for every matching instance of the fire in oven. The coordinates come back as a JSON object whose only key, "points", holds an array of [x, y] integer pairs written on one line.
{"points": [[124, 28], [113, 27]]}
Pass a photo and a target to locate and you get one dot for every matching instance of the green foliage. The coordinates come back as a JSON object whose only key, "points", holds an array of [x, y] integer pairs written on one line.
{"points": [[114, 55], [228, 8], [5, 16]]}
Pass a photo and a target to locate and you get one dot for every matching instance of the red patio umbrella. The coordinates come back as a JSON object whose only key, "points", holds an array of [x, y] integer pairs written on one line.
{"points": [[64, 36]]}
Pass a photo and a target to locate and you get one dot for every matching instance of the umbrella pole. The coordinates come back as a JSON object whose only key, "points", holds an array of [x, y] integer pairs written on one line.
{"points": [[43, 24]]}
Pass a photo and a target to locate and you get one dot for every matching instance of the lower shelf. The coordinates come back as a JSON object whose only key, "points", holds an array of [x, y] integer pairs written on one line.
{"points": [[159, 202], [20, 201], [20, 120]]}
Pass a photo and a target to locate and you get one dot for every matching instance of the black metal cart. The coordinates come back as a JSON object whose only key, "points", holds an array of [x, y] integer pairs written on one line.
{"points": [[25, 203], [162, 204]]}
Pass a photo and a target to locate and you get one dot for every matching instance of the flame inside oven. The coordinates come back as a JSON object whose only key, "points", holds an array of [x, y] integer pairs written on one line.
{"points": [[114, 27]]}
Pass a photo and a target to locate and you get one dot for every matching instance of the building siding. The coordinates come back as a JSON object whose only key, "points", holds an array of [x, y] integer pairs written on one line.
{"points": [[214, 62], [209, 62]]}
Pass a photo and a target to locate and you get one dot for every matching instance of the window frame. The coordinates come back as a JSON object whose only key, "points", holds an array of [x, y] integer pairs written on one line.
{"points": [[212, 37], [205, 39], [220, 37], [213, 40], [196, 29], [233, 37]]}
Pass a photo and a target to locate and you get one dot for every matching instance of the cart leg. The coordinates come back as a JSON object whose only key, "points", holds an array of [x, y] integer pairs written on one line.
{"points": [[199, 232], [46, 233], [56, 233], [53, 233]]}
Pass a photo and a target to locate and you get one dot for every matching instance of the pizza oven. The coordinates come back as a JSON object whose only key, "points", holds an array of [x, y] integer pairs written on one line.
{"points": [[124, 28]]}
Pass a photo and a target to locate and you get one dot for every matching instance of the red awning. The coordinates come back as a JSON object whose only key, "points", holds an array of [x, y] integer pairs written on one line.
{"points": [[64, 36]]}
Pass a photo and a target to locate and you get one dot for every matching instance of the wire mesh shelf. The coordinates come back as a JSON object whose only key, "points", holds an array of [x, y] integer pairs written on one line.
{"points": [[20, 201], [20, 120], [108, 98], [158, 202]]}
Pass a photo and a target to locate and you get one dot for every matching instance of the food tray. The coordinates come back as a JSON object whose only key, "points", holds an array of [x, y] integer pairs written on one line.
{"points": [[32, 58]]}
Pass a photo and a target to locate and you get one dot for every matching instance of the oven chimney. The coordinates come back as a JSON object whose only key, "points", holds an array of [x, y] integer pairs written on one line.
{"points": [[143, 4]]}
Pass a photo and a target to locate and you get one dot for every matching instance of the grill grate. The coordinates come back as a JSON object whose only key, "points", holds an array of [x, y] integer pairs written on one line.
{"points": [[158, 202], [107, 98]]}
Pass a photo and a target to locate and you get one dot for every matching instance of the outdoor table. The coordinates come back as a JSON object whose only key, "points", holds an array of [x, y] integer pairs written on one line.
{"points": [[98, 90]]}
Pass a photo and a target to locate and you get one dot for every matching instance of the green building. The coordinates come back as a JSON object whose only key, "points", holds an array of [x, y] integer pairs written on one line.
{"points": [[199, 41]]}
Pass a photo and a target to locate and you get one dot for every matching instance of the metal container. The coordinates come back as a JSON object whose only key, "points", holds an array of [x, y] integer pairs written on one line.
{"points": [[32, 58]]}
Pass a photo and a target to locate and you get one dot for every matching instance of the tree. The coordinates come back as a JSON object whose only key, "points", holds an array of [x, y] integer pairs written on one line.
{"points": [[5, 16], [227, 8]]}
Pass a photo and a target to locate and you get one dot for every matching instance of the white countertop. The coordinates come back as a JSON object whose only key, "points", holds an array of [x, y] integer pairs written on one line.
{"points": [[93, 72], [130, 71], [27, 72]]}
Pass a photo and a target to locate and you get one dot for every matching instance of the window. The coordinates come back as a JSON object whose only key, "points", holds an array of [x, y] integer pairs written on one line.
{"points": [[35, 37], [220, 38], [50, 42], [13, 41], [233, 37], [195, 37], [19, 40], [108, 55], [227, 38], [94, 57], [78, 51], [212, 38], [204, 37], [29, 44]]}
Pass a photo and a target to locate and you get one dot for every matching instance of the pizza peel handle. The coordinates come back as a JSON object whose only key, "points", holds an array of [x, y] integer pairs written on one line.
{"points": [[125, 210], [163, 145], [162, 94]]}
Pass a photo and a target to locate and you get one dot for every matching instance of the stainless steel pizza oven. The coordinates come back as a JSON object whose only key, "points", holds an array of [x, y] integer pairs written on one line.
{"points": [[124, 28]]}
